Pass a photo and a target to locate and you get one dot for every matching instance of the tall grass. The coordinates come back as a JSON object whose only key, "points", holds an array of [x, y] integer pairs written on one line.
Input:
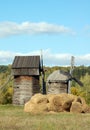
{"points": [[14, 118]]}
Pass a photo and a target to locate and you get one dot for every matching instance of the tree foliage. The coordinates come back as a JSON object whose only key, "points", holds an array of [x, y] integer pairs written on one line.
{"points": [[6, 88], [85, 90]]}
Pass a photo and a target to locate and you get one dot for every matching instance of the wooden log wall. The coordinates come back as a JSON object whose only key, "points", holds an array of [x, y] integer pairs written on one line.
{"points": [[24, 88], [56, 88]]}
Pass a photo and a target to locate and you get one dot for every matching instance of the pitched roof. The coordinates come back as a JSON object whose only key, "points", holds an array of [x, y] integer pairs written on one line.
{"points": [[58, 76], [26, 62]]}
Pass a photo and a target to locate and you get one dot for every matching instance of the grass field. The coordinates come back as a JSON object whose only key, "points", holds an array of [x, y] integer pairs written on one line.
{"points": [[14, 118]]}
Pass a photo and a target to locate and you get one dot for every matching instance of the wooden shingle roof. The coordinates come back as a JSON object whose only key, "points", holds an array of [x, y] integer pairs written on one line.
{"points": [[26, 62], [58, 76]]}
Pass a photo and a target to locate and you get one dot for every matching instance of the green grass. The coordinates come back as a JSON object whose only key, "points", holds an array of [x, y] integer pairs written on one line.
{"points": [[14, 118]]}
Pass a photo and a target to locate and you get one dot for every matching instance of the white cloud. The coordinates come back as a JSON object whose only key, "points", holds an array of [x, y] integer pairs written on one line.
{"points": [[12, 28], [50, 59], [83, 60]]}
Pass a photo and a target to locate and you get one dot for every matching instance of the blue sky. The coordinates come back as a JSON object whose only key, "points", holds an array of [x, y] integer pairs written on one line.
{"points": [[61, 28]]}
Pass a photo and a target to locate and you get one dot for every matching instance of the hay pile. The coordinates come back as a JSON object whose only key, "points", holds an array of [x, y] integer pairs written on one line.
{"points": [[56, 103]]}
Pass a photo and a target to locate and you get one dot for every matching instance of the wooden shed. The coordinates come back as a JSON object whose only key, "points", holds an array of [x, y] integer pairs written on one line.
{"points": [[57, 82], [26, 72]]}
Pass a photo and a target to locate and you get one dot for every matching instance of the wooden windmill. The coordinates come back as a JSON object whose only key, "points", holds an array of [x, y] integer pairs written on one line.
{"points": [[60, 81]]}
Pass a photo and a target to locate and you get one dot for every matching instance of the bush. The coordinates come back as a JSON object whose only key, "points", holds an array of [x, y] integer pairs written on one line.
{"points": [[6, 96], [83, 91]]}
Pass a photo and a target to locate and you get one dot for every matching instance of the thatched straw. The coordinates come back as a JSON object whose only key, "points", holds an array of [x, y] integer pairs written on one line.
{"points": [[56, 103]]}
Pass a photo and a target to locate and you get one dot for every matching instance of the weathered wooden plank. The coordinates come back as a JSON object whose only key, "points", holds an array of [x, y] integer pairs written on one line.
{"points": [[57, 88], [24, 88], [26, 71]]}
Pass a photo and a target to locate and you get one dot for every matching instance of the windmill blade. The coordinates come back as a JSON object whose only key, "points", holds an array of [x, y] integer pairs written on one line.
{"points": [[78, 81]]}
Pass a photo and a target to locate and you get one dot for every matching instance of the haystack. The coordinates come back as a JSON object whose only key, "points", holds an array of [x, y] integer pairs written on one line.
{"points": [[56, 103], [37, 104]]}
